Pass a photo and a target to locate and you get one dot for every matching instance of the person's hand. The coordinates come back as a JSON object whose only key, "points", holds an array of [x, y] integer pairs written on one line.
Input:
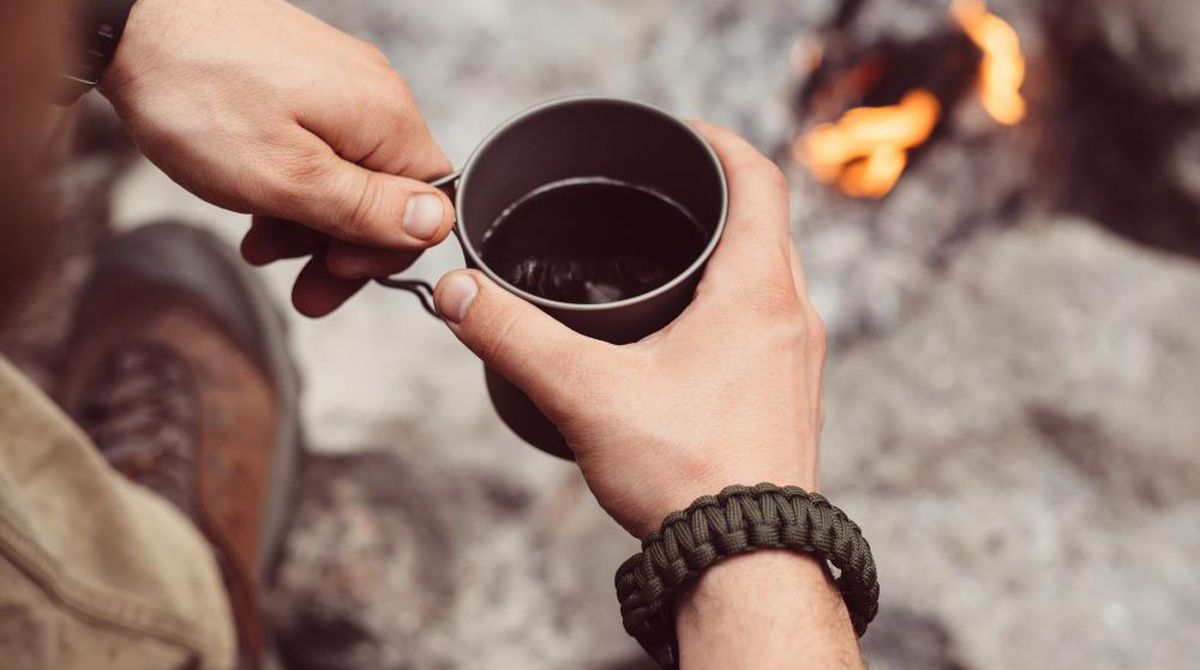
{"points": [[729, 393], [258, 107]]}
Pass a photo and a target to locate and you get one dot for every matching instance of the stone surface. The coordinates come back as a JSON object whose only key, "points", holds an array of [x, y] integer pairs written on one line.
{"points": [[1022, 452], [868, 260], [1012, 410], [401, 561], [1158, 39], [1122, 110]]}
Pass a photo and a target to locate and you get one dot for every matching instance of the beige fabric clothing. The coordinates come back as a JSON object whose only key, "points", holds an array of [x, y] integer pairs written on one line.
{"points": [[95, 572]]}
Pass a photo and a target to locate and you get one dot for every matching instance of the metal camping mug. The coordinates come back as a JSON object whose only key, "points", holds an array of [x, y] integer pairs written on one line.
{"points": [[585, 137]]}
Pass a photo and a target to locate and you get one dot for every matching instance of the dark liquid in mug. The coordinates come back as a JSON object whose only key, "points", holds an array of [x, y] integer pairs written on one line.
{"points": [[592, 241]]}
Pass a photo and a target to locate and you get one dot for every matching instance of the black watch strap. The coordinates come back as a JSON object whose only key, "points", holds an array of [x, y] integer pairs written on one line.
{"points": [[96, 27]]}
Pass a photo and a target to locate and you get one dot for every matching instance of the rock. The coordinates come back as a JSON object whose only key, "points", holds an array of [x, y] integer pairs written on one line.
{"points": [[1015, 434], [400, 561], [868, 260], [1158, 39], [1120, 110], [473, 63], [901, 639], [1021, 452], [1184, 168]]}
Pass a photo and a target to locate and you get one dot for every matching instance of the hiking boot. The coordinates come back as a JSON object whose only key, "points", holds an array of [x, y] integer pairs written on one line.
{"points": [[178, 370]]}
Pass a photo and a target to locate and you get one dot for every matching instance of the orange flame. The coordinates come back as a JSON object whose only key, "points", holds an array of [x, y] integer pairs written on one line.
{"points": [[866, 151], [1002, 71]]}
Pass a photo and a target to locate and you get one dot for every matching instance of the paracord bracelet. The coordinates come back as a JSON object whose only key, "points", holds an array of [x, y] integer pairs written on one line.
{"points": [[97, 27], [737, 520]]}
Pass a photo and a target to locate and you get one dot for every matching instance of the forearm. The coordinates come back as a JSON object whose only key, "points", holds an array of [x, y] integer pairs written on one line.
{"points": [[768, 610]]}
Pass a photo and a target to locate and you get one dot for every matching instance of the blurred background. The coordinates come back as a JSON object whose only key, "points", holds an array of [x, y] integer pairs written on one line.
{"points": [[999, 213]]}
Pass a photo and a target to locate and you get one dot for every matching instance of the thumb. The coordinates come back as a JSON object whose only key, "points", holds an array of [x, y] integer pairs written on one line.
{"points": [[516, 339], [351, 203]]}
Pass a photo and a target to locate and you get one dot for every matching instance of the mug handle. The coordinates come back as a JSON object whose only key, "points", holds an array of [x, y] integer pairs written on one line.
{"points": [[422, 289]]}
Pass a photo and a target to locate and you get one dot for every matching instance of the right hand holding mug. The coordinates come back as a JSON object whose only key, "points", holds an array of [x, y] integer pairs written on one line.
{"points": [[729, 393]]}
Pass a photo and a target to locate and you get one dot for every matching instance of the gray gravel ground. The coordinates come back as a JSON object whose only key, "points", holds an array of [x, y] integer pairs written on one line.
{"points": [[1012, 408]]}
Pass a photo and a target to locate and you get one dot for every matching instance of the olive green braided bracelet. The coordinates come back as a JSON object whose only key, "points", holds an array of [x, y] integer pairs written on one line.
{"points": [[739, 519]]}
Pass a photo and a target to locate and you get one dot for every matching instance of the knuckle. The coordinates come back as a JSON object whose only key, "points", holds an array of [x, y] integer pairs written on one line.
{"points": [[300, 169], [288, 175], [363, 98], [392, 105], [792, 334], [784, 319], [390, 87], [800, 332], [776, 297], [770, 175], [757, 167], [400, 89], [361, 205], [500, 329], [276, 187], [400, 105], [401, 118], [373, 53], [718, 132], [817, 336]]}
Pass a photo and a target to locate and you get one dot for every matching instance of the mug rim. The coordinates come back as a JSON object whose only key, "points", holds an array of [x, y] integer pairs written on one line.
{"points": [[688, 272]]}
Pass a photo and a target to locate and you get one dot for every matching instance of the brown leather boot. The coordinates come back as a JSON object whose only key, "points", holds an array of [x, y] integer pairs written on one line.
{"points": [[177, 368]]}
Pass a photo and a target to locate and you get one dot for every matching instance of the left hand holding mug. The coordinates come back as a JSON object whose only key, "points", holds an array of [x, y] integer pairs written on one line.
{"points": [[261, 108], [729, 393]]}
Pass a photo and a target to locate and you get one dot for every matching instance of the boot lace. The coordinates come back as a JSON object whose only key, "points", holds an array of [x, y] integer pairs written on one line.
{"points": [[141, 412]]}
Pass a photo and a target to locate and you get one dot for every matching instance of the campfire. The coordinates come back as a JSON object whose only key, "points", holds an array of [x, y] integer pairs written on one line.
{"points": [[1002, 69], [866, 150]]}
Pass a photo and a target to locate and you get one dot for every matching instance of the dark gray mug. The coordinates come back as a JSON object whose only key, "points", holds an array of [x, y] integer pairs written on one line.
{"points": [[586, 137]]}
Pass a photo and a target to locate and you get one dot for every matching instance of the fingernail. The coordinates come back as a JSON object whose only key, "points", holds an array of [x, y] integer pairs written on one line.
{"points": [[457, 295], [259, 252], [348, 267], [423, 215], [352, 270]]}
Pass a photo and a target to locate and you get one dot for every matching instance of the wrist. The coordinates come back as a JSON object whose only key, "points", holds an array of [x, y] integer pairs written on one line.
{"points": [[739, 520], [738, 583], [98, 26], [765, 605], [146, 17]]}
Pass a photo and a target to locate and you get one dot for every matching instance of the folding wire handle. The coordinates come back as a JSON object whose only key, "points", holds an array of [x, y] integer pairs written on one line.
{"points": [[422, 289], [418, 287]]}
